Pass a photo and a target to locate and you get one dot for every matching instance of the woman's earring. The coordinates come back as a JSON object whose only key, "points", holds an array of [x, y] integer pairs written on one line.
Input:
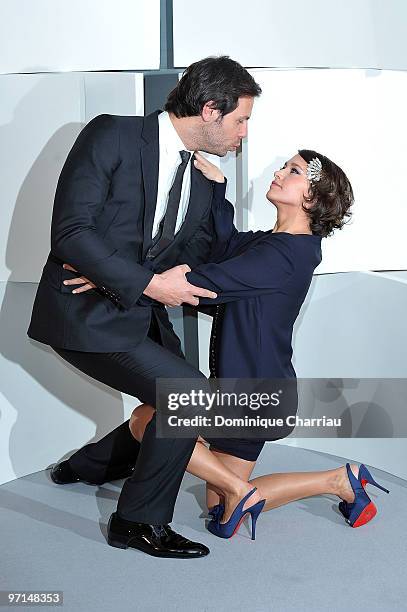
{"points": [[307, 202]]}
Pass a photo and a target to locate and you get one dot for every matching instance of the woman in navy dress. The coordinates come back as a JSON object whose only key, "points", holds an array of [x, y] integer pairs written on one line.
{"points": [[262, 279]]}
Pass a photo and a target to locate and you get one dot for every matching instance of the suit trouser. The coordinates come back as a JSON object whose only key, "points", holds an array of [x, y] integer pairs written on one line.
{"points": [[149, 495]]}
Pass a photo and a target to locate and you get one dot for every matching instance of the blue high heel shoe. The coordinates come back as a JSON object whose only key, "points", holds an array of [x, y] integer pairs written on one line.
{"points": [[362, 510], [228, 529]]}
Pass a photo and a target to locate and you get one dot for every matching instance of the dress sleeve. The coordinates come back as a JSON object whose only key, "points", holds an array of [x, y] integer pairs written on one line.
{"points": [[266, 266], [227, 240]]}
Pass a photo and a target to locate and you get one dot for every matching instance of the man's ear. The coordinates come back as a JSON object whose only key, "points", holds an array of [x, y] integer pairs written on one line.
{"points": [[209, 113]]}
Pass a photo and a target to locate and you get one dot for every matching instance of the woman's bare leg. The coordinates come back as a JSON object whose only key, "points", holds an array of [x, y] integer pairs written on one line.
{"points": [[242, 468], [229, 476], [281, 488], [205, 465]]}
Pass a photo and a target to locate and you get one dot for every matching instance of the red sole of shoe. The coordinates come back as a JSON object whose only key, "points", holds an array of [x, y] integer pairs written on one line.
{"points": [[366, 515], [238, 525]]}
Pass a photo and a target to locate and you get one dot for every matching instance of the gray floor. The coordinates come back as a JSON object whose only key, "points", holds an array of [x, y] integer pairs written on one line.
{"points": [[304, 558]]}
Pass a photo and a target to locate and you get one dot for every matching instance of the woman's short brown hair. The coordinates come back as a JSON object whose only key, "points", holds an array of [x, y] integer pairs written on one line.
{"points": [[331, 196]]}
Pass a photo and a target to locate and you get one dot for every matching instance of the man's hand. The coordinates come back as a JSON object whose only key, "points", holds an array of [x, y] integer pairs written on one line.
{"points": [[78, 281], [172, 288]]}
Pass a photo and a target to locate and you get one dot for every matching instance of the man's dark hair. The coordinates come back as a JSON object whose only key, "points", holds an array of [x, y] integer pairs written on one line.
{"points": [[218, 79], [332, 196]]}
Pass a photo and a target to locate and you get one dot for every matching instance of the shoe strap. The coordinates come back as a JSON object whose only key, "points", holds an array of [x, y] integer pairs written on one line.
{"points": [[354, 482], [239, 507]]}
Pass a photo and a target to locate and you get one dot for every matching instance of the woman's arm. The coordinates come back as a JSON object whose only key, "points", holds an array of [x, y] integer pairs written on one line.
{"points": [[266, 266], [226, 239]]}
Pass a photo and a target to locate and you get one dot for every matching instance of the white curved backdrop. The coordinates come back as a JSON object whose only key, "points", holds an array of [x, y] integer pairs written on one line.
{"points": [[352, 324]]}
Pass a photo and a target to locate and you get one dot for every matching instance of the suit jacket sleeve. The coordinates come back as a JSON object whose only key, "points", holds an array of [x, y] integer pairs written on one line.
{"points": [[264, 267], [81, 192]]}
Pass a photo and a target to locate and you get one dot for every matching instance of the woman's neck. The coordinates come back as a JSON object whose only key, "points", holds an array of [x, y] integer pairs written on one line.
{"points": [[291, 224]]}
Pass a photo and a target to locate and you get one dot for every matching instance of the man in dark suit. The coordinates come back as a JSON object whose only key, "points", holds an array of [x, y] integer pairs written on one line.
{"points": [[130, 205]]}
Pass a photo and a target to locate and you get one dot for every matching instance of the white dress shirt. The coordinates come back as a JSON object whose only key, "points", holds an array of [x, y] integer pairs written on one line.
{"points": [[170, 144]]}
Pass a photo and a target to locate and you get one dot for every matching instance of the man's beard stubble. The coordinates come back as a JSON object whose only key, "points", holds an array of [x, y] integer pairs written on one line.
{"points": [[213, 140]]}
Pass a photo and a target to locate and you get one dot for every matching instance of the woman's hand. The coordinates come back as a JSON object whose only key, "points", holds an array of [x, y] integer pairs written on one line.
{"points": [[209, 170]]}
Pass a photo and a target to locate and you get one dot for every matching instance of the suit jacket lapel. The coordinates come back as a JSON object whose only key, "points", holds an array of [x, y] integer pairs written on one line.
{"points": [[150, 154], [199, 199]]}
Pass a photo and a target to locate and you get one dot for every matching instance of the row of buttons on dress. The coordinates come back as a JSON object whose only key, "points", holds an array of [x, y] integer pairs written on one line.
{"points": [[212, 346]]}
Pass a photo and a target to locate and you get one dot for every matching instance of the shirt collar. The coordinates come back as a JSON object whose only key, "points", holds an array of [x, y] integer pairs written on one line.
{"points": [[170, 142]]}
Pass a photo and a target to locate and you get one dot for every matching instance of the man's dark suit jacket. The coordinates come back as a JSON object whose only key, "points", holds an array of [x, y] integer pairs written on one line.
{"points": [[102, 221]]}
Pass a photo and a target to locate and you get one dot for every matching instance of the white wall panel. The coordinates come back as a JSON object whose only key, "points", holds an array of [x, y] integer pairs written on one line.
{"points": [[316, 33], [356, 118], [351, 326], [40, 118], [61, 36], [113, 93], [47, 408]]}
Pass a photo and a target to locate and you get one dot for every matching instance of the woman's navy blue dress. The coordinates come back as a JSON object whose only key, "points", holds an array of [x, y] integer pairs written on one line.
{"points": [[261, 279]]}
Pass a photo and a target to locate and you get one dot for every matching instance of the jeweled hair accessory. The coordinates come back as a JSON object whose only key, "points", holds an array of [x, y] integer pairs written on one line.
{"points": [[314, 170]]}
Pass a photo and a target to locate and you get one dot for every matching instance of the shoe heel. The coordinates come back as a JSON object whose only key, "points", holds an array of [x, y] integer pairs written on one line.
{"points": [[366, 478], [117, 541], [228, 529], [255, 513]]}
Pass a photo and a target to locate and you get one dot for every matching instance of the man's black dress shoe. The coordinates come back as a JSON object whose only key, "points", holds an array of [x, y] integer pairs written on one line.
{"points": [[62, 473], [156, 540]]}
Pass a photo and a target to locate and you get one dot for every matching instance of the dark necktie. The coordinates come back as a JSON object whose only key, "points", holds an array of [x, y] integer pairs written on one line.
{"points": [[166, 230]]}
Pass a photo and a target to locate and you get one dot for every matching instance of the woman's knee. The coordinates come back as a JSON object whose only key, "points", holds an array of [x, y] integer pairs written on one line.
{"points": [[139, 419]]}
